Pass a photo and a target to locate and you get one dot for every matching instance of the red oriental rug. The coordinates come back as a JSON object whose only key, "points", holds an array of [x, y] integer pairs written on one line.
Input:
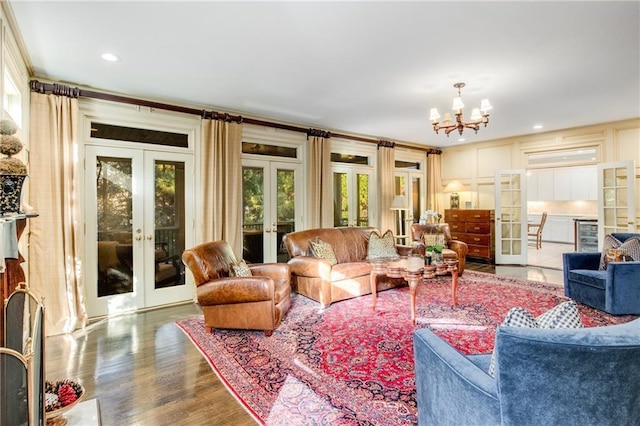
{"points": [[351, 365]]}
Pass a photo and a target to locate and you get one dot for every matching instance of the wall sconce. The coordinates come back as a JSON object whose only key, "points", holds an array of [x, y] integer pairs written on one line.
{"points": [[454, 187]]}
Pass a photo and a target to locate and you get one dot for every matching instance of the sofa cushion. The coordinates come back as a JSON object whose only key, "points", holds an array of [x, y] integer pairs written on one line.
{"points": [[382, 246], [344, 271], [564, 315], [589, 277], [630, 247], [323, 250]]}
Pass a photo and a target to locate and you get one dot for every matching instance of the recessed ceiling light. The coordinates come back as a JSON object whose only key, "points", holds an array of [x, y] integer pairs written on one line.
{"points": [[110, 57], [461, 140], [537, 126]]}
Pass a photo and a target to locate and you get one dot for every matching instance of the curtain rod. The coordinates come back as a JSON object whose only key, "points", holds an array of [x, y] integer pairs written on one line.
{"points": [[75, 92]]}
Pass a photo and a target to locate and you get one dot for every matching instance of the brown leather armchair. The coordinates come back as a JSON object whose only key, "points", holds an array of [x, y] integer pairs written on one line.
{"points": [[454, 249], [259, 302]]}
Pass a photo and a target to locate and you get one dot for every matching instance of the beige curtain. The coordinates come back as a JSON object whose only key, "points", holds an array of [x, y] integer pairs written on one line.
{"points": [[221, 163], [320, 202], [54, 244], [386, 176], [434, 184]]}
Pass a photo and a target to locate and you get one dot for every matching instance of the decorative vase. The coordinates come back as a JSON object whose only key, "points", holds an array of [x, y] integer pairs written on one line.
{"points": [[10, 193]]}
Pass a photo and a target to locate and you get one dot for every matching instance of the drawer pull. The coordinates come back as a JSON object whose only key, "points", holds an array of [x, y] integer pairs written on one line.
{"points": [[477, 215], [476, 228], [476, 239]]}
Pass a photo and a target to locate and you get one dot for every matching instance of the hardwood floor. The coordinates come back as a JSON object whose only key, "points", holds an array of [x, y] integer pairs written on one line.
{"points": [[145, 371]]}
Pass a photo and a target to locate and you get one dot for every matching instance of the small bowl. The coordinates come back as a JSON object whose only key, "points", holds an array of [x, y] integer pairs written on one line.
{"points": [[56, 417]]}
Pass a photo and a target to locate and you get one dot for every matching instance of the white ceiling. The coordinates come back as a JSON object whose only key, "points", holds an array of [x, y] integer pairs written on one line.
{"points": [[372, 68]]}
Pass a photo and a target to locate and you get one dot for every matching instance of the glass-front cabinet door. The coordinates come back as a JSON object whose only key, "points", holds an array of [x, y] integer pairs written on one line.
{"points": [[511, 217], [269, 193], [136, 228]]}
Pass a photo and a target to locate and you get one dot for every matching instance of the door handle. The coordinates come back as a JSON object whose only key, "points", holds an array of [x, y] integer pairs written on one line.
{"points": [[138, 237], [149, 237]]}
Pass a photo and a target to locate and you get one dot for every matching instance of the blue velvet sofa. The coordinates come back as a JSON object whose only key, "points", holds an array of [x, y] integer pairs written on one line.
{"points": [[586, 376], [615, 290]]}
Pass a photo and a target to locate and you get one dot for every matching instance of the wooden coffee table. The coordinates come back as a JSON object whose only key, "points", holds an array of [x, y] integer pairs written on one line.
{"points": [[411, 269]]}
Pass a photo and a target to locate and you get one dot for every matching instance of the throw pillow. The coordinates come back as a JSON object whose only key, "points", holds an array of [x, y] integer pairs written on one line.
{"points": [[631, 248], [434, 239], [381, 247], [240, 269], [564, 315], [323, 250]]}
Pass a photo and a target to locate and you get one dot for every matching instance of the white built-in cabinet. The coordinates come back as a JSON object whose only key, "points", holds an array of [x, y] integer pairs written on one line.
{"points": [[563, 184]]}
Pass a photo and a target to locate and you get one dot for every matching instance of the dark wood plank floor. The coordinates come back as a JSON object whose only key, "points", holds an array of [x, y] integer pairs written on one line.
{"points": [[144, 370]]}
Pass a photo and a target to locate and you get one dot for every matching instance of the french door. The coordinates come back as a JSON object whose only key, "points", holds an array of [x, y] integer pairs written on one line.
{"points": [[271, 191], [616, 203], [139, 219], [511, 217], [351, 196]]}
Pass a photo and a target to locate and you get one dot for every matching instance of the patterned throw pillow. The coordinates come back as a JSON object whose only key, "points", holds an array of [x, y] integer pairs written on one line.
{"points": [[381, 247], [630, 247], [564, 315], [240, 269], [323, 250]]}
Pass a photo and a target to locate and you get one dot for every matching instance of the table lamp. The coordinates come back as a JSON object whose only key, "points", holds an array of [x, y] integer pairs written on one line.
{"points": [[453, 187]]}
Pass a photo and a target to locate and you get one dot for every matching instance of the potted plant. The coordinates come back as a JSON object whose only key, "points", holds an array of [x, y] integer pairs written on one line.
{"points": [[13, 171], [434, 251]]}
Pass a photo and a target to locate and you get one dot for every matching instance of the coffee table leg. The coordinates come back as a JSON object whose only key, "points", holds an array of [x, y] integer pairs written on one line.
{"points": [[454, 287], [413, 284], [374, 295]]}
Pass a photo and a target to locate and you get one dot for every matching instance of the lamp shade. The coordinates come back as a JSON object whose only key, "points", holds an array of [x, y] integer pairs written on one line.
{"points": [[399, 203], [454, 186]]}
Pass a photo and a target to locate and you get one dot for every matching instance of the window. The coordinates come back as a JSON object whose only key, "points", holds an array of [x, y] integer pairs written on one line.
{"points": [[12, 100], [132, 134]]}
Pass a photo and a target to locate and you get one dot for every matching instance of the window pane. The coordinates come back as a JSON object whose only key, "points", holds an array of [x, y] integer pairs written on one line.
{"points": [[340, 200], [131, 134]]}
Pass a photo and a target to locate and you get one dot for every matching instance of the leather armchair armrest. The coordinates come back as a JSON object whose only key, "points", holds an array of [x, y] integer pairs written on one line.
{"points": [[581, 261], [230, 290], [276, 271], [404, 250], [306, 266], [459, 247]]}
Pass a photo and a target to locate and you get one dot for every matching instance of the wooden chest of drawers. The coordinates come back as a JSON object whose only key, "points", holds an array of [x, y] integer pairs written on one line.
{"points": [[476, 228]]}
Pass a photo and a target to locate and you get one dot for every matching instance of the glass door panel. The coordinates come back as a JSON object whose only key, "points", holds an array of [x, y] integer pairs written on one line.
{"points": [[340, 199], [363, 199], [286, 210], [511, 213], [253, 214], [114, 209]]}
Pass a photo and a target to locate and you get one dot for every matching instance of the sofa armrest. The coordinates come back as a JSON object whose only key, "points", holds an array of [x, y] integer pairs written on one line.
{"points": [[580, 261], [622, 287], [276, 271], [451, 390], [307, 266], [231, 290]]}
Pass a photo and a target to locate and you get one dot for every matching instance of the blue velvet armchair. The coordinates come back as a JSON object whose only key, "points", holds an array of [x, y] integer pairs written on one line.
{"points": [[586, 376], [615, 290]]}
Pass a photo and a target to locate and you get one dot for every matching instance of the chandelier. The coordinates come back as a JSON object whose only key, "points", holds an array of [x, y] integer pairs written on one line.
{"points": [[478, 116]]}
